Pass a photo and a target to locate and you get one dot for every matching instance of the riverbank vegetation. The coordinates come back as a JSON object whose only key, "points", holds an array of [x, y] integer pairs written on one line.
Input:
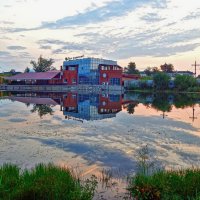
{"points": [[48, 182], [167, 185], [44, 182], [161, 82]]}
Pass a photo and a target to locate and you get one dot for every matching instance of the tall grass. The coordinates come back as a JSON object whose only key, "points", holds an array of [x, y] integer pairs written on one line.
{"points": [[44, 182], [167, 185], [153, 184]]}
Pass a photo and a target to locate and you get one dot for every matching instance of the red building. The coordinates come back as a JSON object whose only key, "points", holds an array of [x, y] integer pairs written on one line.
{"points": [[88, 71], [110, 75]]}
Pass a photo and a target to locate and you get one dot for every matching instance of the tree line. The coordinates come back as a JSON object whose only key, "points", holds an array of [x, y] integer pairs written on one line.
{"points": [[132, 69]]}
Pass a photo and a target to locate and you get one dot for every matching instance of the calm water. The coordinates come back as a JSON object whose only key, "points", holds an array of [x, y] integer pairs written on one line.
{"points": [[90, 132]]}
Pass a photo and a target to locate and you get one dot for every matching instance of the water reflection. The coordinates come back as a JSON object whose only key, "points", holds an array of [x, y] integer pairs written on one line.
{"points": [[101, 106]]}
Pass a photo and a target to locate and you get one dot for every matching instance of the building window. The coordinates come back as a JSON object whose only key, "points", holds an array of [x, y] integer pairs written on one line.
{"points": [[72, 68], [114, 98], [73, 80], [115, 81], [65, 80]]}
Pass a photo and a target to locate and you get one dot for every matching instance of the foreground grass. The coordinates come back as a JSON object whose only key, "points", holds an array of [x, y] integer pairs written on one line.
{"points": [[167, 185], [44, 182]]}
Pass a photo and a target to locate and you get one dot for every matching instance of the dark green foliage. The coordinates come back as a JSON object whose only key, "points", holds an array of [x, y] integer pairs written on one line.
{"points": [[131, 69], [131, 107], [184, 82], [161, 81], [27, 70], [44, 182], [43, 65], [42, 109], [151, 70], [167, 185], [161, 102]]}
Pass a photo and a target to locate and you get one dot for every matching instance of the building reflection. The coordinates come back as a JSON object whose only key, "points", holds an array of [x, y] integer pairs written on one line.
{"points": [[93, 106], [74, 105]]}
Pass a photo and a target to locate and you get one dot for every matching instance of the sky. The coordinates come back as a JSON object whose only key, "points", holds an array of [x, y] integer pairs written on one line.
{"points": [[148, 32]]}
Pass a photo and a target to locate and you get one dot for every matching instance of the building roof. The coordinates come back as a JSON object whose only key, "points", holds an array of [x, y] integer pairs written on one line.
{"points": [[130, 76], [34, 76], [34, 100]]}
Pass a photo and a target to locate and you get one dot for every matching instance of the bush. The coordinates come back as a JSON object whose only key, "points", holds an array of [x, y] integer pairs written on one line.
{"points": [[44, 182], [161, 81], [167, 185], [184, 82]]}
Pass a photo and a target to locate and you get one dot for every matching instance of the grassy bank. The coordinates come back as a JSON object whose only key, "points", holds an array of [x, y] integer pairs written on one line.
{"points": [[44, 182], [167, 185]]}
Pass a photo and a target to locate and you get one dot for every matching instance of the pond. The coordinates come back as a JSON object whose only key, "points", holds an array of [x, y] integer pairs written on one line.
{"points": [[92, 132]]}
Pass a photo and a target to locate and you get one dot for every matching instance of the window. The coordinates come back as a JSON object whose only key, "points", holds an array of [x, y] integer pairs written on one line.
{"points": [[115, 81], [73, 80], [72, 68], [65, 80], [114, 98]]}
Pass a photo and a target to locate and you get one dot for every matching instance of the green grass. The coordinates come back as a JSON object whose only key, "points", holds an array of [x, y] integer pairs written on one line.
{"points": [[44, 182], [167, 185]]}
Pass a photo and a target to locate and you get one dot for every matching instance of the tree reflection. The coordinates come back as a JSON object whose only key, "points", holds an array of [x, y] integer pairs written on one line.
{"points": [[161, 103], [42, 110], [183, 101], [131, 108]]}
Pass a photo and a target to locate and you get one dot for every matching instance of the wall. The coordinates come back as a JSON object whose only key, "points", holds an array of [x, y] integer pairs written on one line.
{"points": [[106, 75]]}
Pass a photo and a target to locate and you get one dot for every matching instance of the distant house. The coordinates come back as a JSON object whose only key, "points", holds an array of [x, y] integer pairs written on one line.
{"points": [[130, 79], [143, 74], [38, 78], [175, 73]]}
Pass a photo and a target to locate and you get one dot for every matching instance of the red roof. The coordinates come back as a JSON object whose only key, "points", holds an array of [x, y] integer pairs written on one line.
{"points": [[34, 100], [34, 76], [130, 76]]}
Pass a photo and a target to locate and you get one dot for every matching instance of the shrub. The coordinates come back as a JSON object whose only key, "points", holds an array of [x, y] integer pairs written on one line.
{"points": [[167, 185], [44, 182]]}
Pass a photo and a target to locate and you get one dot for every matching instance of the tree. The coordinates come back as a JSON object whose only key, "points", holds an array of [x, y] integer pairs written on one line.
{"points": [[183, 82], [161, 81], [131, 69], [151, 70], [12, 71], [43, 65], [148, 71], [155, 70], [27, 70], [42, 110], [131, 108], [167, 67]]}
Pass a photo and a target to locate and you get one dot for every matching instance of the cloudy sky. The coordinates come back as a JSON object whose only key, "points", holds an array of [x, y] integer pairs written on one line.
{"points": [[149, 32]]}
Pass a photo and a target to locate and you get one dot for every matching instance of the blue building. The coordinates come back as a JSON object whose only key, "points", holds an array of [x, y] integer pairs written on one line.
{"points": [[88, 70]]}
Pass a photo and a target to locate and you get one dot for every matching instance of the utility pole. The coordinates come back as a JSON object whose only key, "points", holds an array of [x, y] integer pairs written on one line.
{"points": [[164, 115], [195, 65], [193, 115]]}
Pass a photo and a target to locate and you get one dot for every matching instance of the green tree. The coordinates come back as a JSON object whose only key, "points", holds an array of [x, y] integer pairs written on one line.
{"points": [[167, 67], [183, 82], [43, 64], [27, 70], [131, 69], [151, 70], [42, 110], [131, 108], [148, 71], [161, 81]]}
